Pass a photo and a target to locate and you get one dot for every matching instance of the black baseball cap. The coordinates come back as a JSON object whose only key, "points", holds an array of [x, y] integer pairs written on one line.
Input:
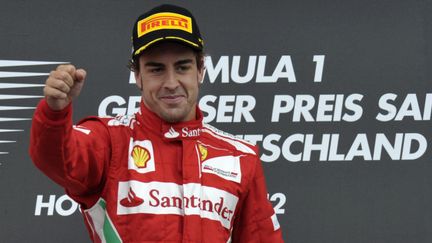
{"points": [[165, 23]]}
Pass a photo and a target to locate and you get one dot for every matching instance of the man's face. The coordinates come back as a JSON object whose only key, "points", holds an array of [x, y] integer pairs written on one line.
{"points": [[169, 80]]}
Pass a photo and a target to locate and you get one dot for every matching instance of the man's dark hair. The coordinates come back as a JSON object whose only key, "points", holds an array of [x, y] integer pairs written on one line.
{"points": [[133, 64]]}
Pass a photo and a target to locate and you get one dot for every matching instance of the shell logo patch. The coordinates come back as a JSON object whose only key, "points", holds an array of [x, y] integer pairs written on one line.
{"points": [[140, 156], [203, 151]]}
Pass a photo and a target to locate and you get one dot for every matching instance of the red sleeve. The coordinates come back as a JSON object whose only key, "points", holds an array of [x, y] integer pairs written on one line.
{"points": [[257, 222], [74, 157]]}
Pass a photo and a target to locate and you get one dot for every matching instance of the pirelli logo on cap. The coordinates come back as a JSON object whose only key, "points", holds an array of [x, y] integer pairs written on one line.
{"points": [[165, 20]]}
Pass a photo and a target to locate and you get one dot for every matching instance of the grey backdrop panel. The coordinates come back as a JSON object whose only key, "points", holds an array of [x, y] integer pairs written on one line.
{"points": [[370, 48]]}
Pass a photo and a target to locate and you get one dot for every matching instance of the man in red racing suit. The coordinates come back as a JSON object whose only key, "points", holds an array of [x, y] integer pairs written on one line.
{"points": [[161, 175]]}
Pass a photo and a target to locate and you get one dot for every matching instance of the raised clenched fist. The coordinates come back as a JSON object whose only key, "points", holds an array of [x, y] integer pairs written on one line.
{"points": [[63, 85]]}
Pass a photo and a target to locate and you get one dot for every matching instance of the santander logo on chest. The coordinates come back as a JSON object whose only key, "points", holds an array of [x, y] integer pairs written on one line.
{"points": [[181, 132], [161, 198]]}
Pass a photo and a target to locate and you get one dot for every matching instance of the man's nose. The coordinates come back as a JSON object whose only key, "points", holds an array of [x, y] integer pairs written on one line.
{"points": [[171, 80]]}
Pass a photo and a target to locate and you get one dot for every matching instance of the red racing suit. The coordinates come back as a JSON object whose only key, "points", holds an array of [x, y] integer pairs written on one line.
{"points": [[140, 179]]}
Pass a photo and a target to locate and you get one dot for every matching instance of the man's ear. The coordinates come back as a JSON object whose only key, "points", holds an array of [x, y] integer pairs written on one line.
{"points": [[201, 75], [202, 71], [138, 80]]}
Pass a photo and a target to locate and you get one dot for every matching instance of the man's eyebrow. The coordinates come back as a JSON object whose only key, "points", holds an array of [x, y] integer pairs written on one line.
{"points": [[184, 61], [153, 64]]}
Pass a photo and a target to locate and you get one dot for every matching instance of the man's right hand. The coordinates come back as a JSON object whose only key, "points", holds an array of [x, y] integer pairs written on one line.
{"points": [[63, 85]]}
